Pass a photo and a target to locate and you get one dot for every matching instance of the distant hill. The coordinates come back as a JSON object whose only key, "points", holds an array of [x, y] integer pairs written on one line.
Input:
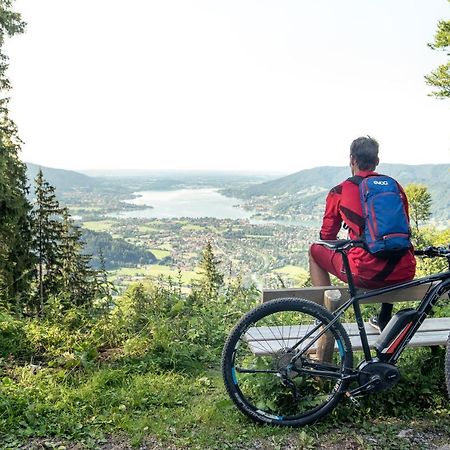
{"points": [[316, 182], [328, 176], [62, 180], [116, 252], [125, 182]]}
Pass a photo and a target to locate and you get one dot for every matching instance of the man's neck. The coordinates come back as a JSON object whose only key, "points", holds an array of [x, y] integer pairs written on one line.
{"points": [[363, 172]]}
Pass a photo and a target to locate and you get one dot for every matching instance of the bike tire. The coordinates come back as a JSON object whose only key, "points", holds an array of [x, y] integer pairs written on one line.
{"points": [[447, 366], [263, 396]]}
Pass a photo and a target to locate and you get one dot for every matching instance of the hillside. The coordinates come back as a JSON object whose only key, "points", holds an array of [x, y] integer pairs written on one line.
{"points": [[63, 180], [433, 175], [83, 194], [310, 186]]}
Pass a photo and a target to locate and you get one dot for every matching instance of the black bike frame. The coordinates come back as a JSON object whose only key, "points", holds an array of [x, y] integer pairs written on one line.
{"points": [[423, 309]]}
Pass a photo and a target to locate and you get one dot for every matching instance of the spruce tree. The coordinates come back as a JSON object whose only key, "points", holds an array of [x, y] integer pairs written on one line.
{"points": [[77, 280], [64, 272], [16, 262], [103, 287], [11, 24], [47, 231], [211, 279], [440, 77]]}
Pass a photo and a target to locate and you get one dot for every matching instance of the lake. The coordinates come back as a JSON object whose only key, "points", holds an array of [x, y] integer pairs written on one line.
{"points": [[185, 203]]}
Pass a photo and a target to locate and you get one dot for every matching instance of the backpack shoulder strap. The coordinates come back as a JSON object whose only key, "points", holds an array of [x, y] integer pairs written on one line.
{"points": [[357, 179]]}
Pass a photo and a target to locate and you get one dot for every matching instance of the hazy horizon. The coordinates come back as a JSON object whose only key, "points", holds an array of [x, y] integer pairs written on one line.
{"points": [[143, 172]]}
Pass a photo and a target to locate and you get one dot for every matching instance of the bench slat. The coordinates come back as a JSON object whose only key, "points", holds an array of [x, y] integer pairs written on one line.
{"points": [[294, 331], [261, 348], [264, 341]]}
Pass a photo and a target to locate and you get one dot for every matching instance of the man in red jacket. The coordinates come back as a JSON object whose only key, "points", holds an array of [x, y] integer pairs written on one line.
{"points": [[343, 206]]}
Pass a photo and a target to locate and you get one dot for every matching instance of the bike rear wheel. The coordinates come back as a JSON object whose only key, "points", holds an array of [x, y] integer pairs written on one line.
{"points": [[447, 366], [260, 375]]}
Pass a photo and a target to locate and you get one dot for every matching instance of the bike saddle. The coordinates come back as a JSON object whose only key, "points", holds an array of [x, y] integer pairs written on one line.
{"points": [[340, 244]]}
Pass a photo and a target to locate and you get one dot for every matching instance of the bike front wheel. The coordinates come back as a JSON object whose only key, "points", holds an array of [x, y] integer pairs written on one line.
{"points": [[270, 368]]}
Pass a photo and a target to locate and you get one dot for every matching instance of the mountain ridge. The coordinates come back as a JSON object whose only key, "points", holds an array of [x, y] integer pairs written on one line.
{"points": [[306, 190], [329, 176], [310, 185], [62, 179]]}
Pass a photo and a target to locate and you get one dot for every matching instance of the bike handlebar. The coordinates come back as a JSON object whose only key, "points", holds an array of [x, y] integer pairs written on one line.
{"points": [[340, 244], [432, 252], [344, 244]]}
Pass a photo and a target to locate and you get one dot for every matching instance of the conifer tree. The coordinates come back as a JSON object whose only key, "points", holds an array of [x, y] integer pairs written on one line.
{"points": [[104, 288], [212, 279], [16, 262], [440, 77], [47, 230], [11, 24], [77, 280], [64, 272]]}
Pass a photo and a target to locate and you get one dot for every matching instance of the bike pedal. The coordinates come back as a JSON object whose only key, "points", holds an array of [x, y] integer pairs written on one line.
{"points": [[352, 399]]}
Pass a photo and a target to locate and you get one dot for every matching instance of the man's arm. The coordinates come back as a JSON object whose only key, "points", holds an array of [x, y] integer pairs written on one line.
{"points": [[332, 221]]}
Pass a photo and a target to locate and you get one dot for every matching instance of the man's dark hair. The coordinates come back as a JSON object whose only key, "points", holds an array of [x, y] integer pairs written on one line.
{"points": [[365, 152]]}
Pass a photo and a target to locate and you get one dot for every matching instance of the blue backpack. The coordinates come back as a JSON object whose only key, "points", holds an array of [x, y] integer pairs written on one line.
{"points": [[386, 232]]}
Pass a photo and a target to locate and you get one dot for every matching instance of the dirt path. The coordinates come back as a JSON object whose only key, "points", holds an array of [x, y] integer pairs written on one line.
{"points": [[406, 439]]}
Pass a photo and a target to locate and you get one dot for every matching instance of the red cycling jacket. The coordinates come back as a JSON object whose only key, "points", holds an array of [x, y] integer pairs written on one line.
{"points": [[343, 205]]}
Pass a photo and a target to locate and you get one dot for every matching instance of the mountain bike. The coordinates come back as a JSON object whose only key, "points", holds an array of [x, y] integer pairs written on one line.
{"points": [[269, 365]]}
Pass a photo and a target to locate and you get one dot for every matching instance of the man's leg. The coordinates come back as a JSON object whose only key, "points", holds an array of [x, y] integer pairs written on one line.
{"points": [[385, 314], [319, 276]]}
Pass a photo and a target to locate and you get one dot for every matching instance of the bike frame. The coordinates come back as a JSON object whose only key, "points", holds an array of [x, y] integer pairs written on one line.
{"points": [[405, 335]]}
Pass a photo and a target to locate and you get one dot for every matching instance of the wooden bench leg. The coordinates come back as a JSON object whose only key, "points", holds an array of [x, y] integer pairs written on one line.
{"points": [[325, 344]]}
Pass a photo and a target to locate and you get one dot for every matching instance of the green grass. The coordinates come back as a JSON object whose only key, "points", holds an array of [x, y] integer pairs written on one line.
{"points": [[192, 227], [147, 229], [160, 254], [292, 271], [155, 271], [100, 225], [189, 410], [150, 369]]}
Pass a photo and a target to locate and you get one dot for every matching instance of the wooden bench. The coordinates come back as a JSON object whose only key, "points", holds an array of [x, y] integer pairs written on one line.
{"points": [[265, 340]]}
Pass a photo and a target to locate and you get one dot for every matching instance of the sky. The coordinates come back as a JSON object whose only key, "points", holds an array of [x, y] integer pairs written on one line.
{"points": [[278, 85]]}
